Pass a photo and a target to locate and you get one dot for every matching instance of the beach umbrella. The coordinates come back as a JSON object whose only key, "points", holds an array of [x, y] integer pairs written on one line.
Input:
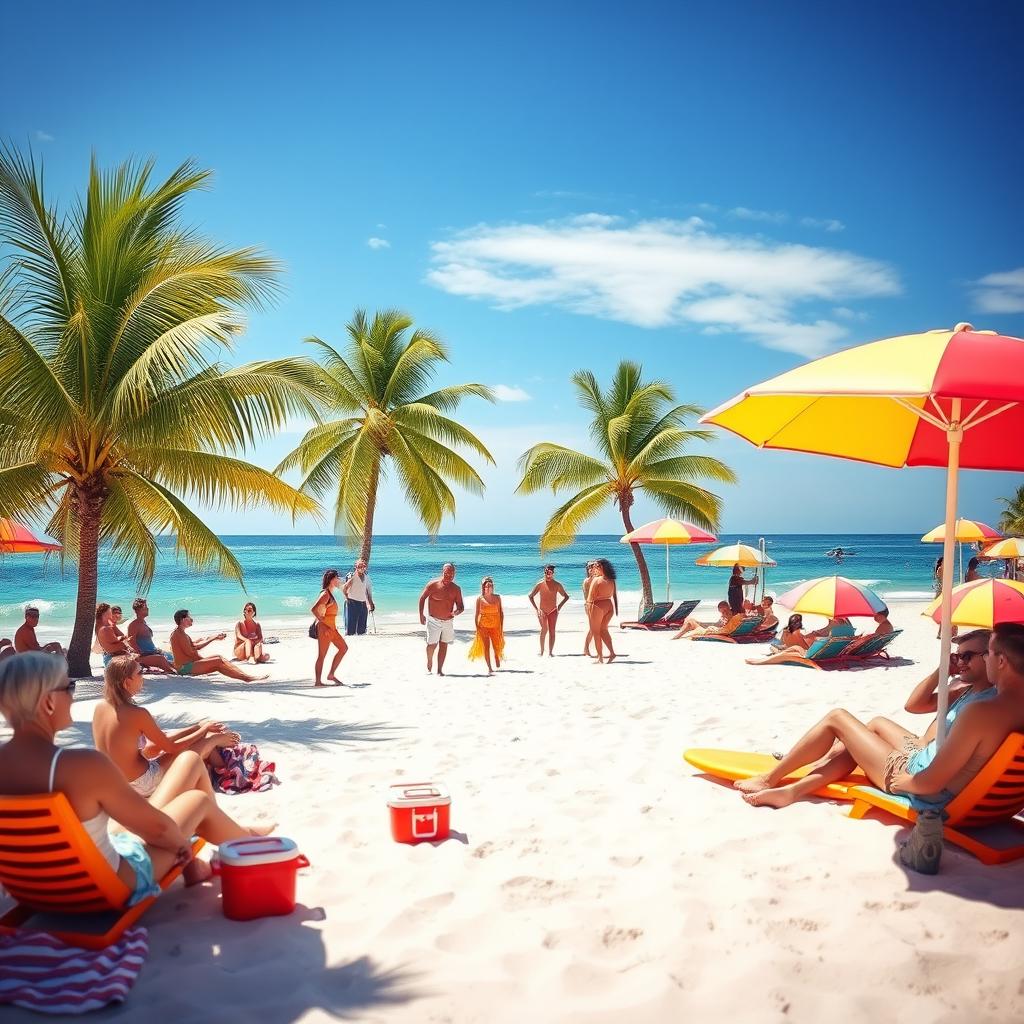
{"points": [[834, 597], [668, 532], [16, 539], [966, 531], [952, 398], [983, 604], [1010, 548], [740, 553]]}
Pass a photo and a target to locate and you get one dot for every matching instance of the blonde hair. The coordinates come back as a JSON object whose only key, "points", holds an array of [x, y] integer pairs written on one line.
{"points": [[485, 581], [119, 670], [24, 680]]}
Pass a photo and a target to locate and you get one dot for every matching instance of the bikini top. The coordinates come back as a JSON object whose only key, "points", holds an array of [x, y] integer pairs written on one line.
{"points": [[96, 827]]}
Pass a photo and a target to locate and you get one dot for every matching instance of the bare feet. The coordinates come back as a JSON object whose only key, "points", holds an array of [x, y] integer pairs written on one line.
{"points": [[196, 872], [612, 657], [258, 679], [781, 797], [757, 784], [335, 680]]}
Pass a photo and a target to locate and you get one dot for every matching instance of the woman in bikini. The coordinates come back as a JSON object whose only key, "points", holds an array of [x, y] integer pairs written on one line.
{"points": [[325, 611], [35, 699], [490, 622], [604, 602], [587, 580], [144, 753], [113, 643], [794, 641], [249, 637]]}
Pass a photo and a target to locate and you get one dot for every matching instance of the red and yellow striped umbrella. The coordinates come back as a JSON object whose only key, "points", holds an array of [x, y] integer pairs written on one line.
{"points": [[983, 604], [834, 597], [668, 531], [16, 539], [967, 531], [1010, 547]]}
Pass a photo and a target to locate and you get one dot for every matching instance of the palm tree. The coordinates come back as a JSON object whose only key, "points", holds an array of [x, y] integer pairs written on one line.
{"points": [[1011, 519], [376, 389], [641, 437], [114, 421]]}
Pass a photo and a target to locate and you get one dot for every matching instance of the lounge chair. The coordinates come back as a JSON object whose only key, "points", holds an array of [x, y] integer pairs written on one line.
{"points": [[825, 652], [730, 765], [982, 817], [672, 621], [748, 631], [51, 867], [871, 646], [655, 614]]}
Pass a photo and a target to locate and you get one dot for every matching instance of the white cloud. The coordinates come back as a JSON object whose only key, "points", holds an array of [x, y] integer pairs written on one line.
{"points": [[509, 393], [661, 273], [378, 243], [40, 136], [766, 216], [826, 224], [1001, 293]]}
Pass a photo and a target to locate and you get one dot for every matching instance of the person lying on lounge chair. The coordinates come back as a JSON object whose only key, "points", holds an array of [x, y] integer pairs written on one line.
{"points": [[884, 625], [837, 627], [143, 752], [794, 641], [727, 622], [767, 609], [35, 699], [932, 776]]}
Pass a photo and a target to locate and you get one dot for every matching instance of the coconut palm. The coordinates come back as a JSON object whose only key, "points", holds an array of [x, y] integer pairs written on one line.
{"points": [[1011, 519], [376, 391], [641, 439], [114, 421]]}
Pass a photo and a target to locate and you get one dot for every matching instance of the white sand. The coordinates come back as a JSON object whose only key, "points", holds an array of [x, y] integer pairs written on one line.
{"points": [[593, 877]]}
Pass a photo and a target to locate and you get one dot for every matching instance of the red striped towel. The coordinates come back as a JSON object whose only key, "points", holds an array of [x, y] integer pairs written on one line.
{"points": [[41, 973]]}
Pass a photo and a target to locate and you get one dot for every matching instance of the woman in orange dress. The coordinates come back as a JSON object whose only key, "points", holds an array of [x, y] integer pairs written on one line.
{"points": [[490, 622], [325, 611]]}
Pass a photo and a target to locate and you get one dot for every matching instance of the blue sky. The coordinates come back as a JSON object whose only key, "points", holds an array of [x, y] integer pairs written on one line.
{"points": [[717, 190]]}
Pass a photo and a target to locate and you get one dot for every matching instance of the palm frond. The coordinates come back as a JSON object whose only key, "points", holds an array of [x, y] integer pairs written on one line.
{"points": [[555, 466], [566, 520]]}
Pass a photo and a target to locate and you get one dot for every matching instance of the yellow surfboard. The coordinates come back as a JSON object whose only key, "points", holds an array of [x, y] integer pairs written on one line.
{"points": [[731, 765]]}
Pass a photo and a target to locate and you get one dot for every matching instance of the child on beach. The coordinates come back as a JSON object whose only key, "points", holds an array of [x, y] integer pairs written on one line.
{"points": [[490, 622]]}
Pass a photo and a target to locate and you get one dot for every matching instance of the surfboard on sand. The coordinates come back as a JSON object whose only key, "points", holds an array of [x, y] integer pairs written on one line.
{"points": [[730, 765]]}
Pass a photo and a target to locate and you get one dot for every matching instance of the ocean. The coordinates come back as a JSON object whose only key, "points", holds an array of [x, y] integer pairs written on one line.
{"points": [[282, 573]]}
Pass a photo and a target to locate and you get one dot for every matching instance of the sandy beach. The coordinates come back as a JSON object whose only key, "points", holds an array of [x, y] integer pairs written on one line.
{"points": [[591, 875]]}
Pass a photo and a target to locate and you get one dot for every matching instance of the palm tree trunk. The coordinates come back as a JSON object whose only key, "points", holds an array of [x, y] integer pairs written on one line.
{"points": [[90, 507], [371, 508], [641, 562]]}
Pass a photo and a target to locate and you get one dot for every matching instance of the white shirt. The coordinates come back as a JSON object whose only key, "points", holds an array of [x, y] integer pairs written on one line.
{"points": [[359, 589]]}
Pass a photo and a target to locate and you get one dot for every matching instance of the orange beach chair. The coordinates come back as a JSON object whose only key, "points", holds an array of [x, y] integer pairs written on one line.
{"points": [[51, 867], [982, 817]]}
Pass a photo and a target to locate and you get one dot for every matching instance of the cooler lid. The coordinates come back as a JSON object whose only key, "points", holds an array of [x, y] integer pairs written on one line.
{"points": [[418, 794], [253, 850]]}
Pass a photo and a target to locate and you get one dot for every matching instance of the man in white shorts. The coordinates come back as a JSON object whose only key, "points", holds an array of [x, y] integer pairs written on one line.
{"points": [[444, 601]]}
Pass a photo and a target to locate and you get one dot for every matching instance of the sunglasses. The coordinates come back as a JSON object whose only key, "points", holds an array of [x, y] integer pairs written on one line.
{"points": [[966, 656]]}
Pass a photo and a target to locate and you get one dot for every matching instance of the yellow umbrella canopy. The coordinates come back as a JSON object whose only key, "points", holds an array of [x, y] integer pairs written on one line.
{"points": [[983, 604], [966, 531], [733, 554], [1009, 547], [668, 531], [938, 398]]}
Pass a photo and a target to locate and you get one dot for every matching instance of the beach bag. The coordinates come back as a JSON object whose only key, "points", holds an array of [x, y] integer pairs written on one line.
{"points": [[314, 629]]}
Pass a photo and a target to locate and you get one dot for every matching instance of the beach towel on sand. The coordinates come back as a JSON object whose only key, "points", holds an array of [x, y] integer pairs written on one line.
{"points": [[41, 973], [243, 771]]}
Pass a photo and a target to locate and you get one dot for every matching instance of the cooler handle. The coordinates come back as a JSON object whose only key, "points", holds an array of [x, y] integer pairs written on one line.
{"points": [[303, 861]]}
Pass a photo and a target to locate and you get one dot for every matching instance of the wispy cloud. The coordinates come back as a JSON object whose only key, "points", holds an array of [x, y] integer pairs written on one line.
{"points": [[509, 393], [40, 136], [378, 243], [660, 273], [826, 224], [1000, 293], [764, 216]]}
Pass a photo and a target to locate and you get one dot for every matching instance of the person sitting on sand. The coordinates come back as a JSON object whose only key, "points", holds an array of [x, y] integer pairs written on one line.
{"points": [[140, 635], [604, 602], [548, 590], [113, 643], [771, 620], [490, 623], [6, 648], [443, 600], [130, 737], [25, 638], [35, 699], [727, 622], [931, 776], [187, 661], [249, 637], [325, 611]]}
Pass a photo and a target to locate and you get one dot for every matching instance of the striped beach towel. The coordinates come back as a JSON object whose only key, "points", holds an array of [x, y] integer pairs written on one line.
{"points": [[41, 973], [244, 771]]}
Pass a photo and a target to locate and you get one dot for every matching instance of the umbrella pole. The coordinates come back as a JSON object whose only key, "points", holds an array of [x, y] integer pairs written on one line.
{"points": [[954, 435], [668, 582]]}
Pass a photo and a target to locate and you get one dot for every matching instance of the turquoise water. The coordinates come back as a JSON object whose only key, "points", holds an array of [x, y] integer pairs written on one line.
{"points": [[282, 574]]}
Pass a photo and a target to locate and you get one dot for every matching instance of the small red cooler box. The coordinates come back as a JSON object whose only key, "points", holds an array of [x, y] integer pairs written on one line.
{"points": [[419, 811], [257, 876]]}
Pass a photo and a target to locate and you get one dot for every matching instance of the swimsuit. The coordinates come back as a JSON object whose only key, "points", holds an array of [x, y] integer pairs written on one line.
{"points": [[186, 669], [145, 785], [117, 847], [144, 642], [490, 626]]}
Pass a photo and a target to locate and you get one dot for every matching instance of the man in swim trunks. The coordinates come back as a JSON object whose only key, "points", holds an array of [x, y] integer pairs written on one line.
{"points": [[25, 637], [140, 634], [548, 590], [186, 653], [444, 601]]}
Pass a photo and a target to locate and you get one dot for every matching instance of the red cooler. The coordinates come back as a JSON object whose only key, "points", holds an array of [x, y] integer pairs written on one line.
{"points": [[419, 811], [257, 876]]}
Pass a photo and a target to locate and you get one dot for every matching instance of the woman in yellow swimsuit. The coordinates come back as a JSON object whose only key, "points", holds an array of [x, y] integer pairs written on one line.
{"points": [[490, 621], [325, 611]]}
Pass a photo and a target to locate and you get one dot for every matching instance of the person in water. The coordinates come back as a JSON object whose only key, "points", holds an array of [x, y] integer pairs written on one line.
{"points": [[552, 597], [35, 699], [325, 611], [129, 735], [490, 624], [249, 637]]}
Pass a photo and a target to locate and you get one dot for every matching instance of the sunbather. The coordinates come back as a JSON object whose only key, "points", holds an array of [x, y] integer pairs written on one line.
{"points": [[932, 776], [884, 625], [25, 638], [7, 649], [113, 643], [187, 660], [35, 699], [794, 641], [837, 627], [249, 637], [144, 753], [767, 610], [727, 622]]}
